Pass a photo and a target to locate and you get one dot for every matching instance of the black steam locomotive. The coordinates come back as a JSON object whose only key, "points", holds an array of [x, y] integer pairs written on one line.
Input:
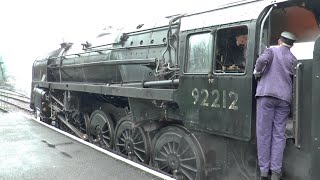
{"points": [[179, 96]]}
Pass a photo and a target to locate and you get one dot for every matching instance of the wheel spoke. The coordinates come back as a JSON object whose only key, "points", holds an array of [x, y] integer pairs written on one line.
{"points": [[166, 149], [186, 173], [188, 159], [122, 150], [138, 155], [124, 135], [136, 135], [119, 144], [189, 167], [138, 142], [160, 159], [107, 137], [138, 149], [105, 142], [173, 148], [179, 145], [130, 133], [164, 154], [165, 166], [127, 134], [122, 139], [83, 129], [185, 150], [103, 132], [169, 147]]}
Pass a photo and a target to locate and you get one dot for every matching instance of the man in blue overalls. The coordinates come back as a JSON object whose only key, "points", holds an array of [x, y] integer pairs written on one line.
{"points": [[275, 68]]}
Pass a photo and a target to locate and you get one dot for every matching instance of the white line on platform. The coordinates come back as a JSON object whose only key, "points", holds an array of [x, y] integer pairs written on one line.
{"points": [[153, 172]]}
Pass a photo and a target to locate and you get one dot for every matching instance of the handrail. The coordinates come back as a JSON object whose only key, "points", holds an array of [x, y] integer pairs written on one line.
{"points": [[149, 61], [112, 48], [297, 102], [262, 26]]}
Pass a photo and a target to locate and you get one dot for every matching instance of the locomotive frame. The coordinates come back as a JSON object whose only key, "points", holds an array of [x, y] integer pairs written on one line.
{"points": [[146, 96]]}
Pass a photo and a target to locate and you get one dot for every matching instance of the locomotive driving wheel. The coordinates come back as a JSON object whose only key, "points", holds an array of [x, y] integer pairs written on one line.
{"points": [[79, 120], [100, 129], [176, 151], [132, 142]]}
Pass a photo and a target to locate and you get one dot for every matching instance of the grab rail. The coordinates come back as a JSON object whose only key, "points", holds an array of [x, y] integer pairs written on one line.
{"points": [[297, 109]]}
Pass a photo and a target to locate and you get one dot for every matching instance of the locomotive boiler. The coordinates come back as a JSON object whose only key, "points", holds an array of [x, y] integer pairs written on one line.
{"points": [[178, 94]]}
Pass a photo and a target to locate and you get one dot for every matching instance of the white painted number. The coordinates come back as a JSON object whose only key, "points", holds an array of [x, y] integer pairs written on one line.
{"points": [[206, 96], [215, 93], [195, 95], [224, 103], [235, 100], [216, 97]]}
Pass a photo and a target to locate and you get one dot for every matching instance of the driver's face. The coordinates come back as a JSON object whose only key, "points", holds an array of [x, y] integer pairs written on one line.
{"points": [[242, 40]]}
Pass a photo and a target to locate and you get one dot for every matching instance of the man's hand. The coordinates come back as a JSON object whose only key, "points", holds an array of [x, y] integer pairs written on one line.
{"points": [[256, 74]]}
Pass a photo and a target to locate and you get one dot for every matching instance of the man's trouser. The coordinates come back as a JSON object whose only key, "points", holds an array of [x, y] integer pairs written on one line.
{"points": [[272, 114]]}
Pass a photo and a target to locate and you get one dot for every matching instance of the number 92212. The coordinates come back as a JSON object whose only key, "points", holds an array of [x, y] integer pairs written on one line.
{"points": [[201, 98]]}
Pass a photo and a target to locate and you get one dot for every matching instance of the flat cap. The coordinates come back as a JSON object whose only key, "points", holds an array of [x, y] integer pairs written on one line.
{"points": [[288, 35]]}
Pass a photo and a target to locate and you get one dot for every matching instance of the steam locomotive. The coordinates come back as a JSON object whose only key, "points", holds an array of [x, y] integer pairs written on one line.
{"points": [[179, 95]]}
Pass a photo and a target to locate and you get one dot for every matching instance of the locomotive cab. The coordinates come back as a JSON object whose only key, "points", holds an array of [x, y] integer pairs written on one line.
{"points": [[217, 95]]}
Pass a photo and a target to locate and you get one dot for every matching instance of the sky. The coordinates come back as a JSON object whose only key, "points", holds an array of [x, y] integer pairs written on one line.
{"points": [[32, 28]]}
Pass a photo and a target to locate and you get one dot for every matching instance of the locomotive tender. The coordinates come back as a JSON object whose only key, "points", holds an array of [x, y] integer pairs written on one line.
{"points": [[180, 96]]}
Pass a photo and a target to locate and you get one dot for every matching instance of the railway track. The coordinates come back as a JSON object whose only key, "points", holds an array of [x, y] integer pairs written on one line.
{"points": [[11, 102], [15, 93]]}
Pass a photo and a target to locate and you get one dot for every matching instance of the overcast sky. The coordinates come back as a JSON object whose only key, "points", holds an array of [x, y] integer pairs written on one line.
{"points": [[31, 28]]}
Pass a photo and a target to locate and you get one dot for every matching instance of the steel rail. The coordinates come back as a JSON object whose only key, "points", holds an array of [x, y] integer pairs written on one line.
{"points": [[16, 98], [12, 92], [15, 105]]}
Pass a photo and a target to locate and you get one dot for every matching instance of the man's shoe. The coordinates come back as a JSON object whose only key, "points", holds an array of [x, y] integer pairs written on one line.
{"points": [[275, 176], [264, 176]]}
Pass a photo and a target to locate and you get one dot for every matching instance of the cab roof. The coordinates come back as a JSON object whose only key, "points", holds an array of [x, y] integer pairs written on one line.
{"points": [[229, 13]]}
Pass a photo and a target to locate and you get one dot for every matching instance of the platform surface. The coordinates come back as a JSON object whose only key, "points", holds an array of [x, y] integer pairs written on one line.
{"points": [[29, 150]]}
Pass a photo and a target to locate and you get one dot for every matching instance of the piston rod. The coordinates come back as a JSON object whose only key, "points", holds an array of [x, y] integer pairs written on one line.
{"points": [[72, 128]]}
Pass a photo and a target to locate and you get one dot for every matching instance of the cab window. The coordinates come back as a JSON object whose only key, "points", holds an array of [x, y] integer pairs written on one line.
{"points": [[198, 60], [231, 50]]}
